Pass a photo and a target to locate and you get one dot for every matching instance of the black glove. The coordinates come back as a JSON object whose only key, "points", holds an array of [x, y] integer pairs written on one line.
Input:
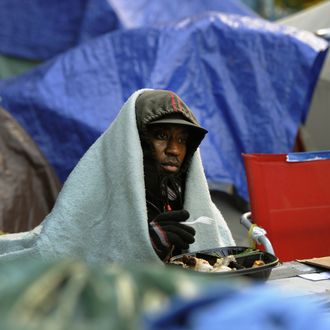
{"points": [[166, 231]]}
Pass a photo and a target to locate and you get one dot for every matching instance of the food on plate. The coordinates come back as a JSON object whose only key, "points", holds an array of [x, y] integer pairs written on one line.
{"points": [[218, 264]]}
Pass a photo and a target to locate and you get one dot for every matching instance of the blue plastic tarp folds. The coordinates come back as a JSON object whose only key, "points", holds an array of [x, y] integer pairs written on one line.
{"points": [[133, 14], [254, 308], [249, 82], [39, 29]]}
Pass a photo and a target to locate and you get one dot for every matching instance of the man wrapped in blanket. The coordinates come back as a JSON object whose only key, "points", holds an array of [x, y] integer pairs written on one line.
{"points": [[130, 194]]}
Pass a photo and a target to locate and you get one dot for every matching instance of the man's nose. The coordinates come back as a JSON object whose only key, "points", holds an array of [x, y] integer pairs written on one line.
{"points": [[172, 148]]}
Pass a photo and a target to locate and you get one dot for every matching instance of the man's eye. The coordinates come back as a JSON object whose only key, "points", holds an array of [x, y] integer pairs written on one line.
{"points": [[183, 140], [161, 136]]}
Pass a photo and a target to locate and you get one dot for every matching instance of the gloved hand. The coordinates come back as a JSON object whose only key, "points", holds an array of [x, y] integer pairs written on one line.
{"points": [[166, 231]]}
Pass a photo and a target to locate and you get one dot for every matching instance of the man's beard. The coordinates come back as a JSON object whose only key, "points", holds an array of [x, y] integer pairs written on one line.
{"points": [[166, 185]]}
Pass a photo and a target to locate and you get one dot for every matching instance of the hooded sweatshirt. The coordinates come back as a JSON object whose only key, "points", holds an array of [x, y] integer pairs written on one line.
{"points": [[100, 214]]}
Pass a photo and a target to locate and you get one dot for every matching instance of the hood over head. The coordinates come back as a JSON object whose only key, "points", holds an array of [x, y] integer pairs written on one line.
{"points": [[165, 107]]}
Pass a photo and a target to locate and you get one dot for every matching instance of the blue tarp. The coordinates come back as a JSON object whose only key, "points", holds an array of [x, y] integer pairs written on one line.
{"points": [[133, 14], [41, 29], [253, 308], [248, 81], [308, 156]]}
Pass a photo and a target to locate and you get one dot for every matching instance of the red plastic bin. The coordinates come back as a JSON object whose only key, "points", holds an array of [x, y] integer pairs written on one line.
{"points": [[291, 201]]}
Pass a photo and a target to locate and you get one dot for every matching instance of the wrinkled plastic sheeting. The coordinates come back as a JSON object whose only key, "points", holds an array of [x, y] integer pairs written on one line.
{"points": [[28, 186], [193, 301], [41, 29], [133, 14], [248, 81]]}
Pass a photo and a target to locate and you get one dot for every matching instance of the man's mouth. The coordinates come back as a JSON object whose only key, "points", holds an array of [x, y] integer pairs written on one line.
{"points": [[170, 167]]}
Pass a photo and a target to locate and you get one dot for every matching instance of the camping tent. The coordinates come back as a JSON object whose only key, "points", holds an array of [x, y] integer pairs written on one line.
{"points": [[48, 28], [229, 69], [315, 132], [28, 186]]}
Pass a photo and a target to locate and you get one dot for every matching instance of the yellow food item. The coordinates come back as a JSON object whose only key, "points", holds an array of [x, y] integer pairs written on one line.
{"points": [[258, 263]]}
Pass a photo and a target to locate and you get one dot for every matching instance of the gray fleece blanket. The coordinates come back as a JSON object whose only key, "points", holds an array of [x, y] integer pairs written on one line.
{"points": [[100, 215]]}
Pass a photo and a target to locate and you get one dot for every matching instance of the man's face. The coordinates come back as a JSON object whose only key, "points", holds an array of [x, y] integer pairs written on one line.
{"points": [[170, 146]]}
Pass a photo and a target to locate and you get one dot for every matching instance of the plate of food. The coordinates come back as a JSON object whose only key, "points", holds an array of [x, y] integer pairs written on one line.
{"points": [[228, 261]]}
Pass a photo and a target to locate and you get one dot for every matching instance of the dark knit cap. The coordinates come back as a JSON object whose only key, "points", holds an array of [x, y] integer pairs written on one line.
{"points": [[156, 107]]}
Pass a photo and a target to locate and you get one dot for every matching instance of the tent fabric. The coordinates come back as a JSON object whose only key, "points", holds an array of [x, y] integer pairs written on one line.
{"points": [[39, 29], [146, 13], [248, 81], [315, 131], [47, 28], [256, 307], [28, 186], [312, 19]]}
